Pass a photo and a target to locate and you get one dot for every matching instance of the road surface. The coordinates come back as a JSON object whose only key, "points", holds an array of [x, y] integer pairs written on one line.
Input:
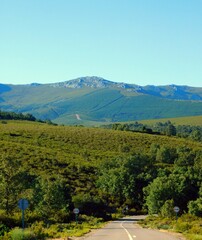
{"points": [[128, 229]]}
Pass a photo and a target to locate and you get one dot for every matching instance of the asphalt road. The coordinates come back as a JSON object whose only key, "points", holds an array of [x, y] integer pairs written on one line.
{"points": [[128, 229]]}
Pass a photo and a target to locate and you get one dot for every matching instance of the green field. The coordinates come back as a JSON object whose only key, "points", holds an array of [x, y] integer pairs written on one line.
{"points": [[192, 121]]}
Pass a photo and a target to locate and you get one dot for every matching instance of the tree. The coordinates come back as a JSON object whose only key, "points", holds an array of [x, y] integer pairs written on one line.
{"points": [[52, 198], [112, 180], [122, 180], [196, 135], [166, 155], [156, 194], [170, 130], [10, 183], [165, 188], [195, 207], [167, 208]]}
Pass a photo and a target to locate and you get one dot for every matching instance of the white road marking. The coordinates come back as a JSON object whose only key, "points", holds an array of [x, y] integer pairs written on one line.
{"points": [[129, 236]]}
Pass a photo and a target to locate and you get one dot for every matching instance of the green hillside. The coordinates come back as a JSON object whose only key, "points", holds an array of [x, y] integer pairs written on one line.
{"points": [[100, 171], [61, 104]]}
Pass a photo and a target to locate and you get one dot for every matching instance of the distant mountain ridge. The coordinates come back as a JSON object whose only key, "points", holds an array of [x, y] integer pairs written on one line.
{"points": [[94, 82], [95, 99], [167, 91]]}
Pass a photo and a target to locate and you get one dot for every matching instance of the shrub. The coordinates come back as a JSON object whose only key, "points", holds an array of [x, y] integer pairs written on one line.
{"points": [[20, 234], [167, 209], [7, 220], [3, 229], [38, 229], [196, 229], [193, 237], [182, 227], [195, 207]]}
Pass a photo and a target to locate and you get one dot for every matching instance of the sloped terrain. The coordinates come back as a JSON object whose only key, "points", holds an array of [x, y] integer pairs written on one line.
{"points": [[98, 100]]}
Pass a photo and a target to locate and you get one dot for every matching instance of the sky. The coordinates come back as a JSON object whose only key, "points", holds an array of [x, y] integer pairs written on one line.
{"points": [[144, 42]]}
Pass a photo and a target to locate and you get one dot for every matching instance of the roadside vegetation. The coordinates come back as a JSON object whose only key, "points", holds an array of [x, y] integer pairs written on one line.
{"points": [[103, 172], [188, 225]]}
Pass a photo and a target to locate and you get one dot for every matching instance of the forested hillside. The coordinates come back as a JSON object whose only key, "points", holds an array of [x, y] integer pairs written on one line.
{"points": [[100, 171]]}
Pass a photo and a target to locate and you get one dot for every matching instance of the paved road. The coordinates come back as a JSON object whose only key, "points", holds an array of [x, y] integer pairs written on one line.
{"points": [[128, 229]]}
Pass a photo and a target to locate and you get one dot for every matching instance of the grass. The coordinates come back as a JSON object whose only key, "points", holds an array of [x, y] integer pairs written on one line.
{"points": [[41, 231], [73, 229]]}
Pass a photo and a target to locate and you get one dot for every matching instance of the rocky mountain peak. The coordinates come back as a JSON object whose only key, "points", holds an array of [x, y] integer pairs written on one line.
{"points": [[90, 82], [96, 82]]}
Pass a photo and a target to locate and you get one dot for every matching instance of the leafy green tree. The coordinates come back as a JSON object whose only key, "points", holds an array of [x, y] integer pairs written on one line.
{"points": [[170, 130], [139, 172], [10, 183], [163, 189], [153, 150], [196, 135], [167, 208], [166, 155], [124, 179], [53, 199], [112, 180], [195, 207], [156, 194], [163, 155], [186, 157]]}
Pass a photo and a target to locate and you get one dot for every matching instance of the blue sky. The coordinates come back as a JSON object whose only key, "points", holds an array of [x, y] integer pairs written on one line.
{"points": [[142, 42]]}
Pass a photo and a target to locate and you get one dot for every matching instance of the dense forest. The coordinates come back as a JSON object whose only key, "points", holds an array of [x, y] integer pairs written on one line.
{"points": [[100, 171]]}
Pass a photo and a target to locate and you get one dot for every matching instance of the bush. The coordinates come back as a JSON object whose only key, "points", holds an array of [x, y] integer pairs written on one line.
{"points": [[3, 229], [195, 207], [38, 229], [92, 221], [193, 237], [7, 220], [182, 227], [167, 209], [196, 229], [189, 225], [20, 234]]}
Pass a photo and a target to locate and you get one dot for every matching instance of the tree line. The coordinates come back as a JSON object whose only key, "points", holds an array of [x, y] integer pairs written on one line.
{"points": [[20, 116], [160, 128]]}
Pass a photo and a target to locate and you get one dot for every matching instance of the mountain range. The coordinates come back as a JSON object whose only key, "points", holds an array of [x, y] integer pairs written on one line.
{"points": [[89, 100]]}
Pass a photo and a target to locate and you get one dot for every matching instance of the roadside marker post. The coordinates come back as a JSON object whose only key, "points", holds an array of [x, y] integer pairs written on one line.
{"points": [[176, 210], [76, 212], [23, 204]]}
